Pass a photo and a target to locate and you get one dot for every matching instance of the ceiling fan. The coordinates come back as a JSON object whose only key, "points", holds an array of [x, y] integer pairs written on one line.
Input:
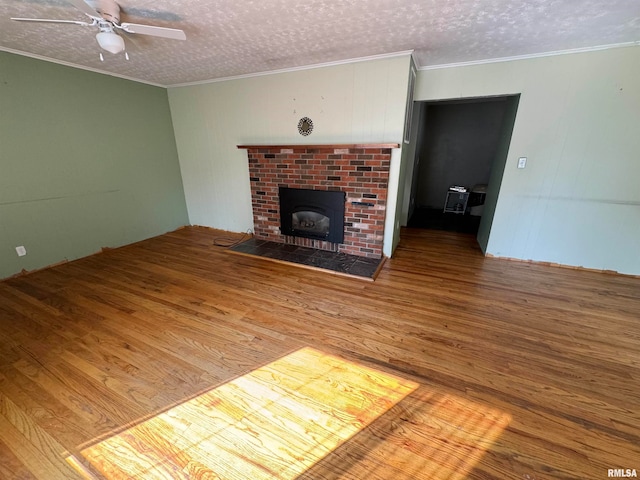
{"points": [[106, 16]]}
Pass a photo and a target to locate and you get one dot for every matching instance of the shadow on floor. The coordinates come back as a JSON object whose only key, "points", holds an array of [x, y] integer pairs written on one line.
{"points": [[436, 219]]}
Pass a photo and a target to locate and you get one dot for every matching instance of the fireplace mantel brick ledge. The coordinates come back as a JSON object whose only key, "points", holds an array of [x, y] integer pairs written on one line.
{"points": [[359, 170]]}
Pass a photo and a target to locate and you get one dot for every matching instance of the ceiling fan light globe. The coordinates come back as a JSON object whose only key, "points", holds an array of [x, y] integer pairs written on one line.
{"points": [[111, 42]]}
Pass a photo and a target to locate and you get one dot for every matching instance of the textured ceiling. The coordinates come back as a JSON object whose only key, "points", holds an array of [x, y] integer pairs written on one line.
{"points": [[227, 38]]}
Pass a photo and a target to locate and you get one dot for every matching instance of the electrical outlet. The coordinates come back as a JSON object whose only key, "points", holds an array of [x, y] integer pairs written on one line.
{"points": [[21, 251], [522, 162]]}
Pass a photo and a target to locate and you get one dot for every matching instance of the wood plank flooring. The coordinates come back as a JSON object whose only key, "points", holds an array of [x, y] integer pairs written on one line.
{"points": [[110, 365]]}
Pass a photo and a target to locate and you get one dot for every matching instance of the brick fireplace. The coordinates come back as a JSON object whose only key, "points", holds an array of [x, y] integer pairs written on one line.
{"points": [[360, 171]]}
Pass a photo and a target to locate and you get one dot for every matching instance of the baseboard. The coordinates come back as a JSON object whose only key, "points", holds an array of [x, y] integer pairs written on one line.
{"points": [[562, 265], [24, 272]]}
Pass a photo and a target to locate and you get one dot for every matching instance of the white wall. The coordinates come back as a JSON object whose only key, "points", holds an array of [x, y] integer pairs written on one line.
{"points": [[578, 201], [361, 102]]}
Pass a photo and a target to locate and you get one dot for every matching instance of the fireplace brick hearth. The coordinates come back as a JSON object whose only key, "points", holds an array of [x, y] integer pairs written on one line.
{"points": [[361, 171]]}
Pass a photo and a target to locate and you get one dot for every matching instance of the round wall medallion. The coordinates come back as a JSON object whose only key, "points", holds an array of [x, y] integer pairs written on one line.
{"points": [[305, 126]]}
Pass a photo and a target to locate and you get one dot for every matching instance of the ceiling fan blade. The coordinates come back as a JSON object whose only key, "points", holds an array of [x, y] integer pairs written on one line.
{"points": [[172, 33], [44, 20], [85, 8]]}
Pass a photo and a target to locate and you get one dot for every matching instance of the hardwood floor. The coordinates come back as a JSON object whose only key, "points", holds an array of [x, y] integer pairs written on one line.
{"points": [[173, 358]]}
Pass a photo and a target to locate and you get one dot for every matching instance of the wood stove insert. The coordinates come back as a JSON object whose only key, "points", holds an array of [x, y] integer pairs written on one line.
{"points": [[317, 214]]}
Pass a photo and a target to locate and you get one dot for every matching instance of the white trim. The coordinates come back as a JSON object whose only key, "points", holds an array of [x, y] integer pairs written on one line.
{"points": [[297, 69], [408, 113], [531, 56], [81, 67], [414, 58], [329, 64]]}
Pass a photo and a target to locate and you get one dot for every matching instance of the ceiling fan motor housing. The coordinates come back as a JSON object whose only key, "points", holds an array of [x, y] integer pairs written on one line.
{"points": [[109, 10]]}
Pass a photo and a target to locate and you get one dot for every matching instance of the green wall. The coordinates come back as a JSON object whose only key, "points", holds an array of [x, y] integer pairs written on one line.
{"points": [[577, 202], [90, 161], [360, 102], [86, 161]]}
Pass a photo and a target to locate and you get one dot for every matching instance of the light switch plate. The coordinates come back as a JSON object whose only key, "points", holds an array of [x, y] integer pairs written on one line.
{"points": [[522, 162]]}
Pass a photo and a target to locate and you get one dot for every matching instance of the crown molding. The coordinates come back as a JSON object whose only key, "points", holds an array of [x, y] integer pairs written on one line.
{"points": [[298, 69], [530, 56], [75, 65]]}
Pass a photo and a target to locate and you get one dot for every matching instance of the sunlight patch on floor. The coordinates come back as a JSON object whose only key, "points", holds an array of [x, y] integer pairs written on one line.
{"points": [[272, 423]]}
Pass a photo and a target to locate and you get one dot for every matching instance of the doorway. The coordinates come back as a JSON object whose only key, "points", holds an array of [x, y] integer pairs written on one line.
{"points": [[461, 143]]}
